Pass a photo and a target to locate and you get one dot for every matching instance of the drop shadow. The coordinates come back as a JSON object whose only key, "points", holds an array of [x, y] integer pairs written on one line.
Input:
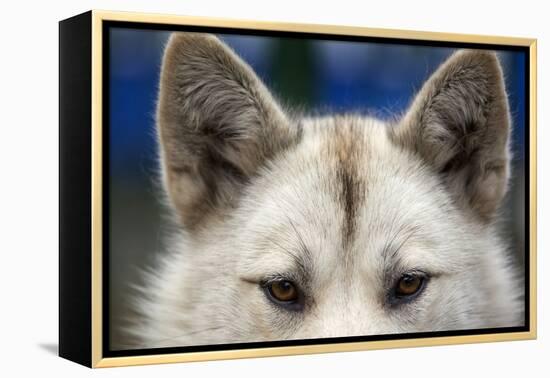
{"points": [[51, 348]]}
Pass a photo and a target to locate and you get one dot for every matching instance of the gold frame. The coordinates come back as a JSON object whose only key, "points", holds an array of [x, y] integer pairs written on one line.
{"points": [[97, 278]]}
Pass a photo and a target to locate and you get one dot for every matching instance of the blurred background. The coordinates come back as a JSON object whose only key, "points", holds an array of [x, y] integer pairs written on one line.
{"points": [[313, 75]]}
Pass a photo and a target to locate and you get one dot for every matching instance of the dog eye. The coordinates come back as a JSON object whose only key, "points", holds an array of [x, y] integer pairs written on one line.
{"points": [[408, 285], [283, 291]]}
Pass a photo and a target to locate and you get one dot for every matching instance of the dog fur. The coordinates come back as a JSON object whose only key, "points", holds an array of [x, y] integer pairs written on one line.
{"points": [[342, 205]]}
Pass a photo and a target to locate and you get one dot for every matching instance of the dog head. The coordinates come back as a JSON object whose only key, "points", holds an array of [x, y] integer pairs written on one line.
{"points": [[332, 226]]}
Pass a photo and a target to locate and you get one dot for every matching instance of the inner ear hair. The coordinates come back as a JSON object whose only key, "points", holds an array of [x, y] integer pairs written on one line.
{"points": [[217, 125], [459, 124]]}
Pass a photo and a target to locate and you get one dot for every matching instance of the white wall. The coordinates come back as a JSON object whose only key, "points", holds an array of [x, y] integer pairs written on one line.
{"points": [[28, 200]]}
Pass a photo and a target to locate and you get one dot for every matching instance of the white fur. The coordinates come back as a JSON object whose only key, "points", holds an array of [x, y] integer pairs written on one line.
{"points": [[206, 290]]}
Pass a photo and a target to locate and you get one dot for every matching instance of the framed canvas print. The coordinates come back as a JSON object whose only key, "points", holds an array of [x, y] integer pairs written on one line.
{"points": [[234, 189]]}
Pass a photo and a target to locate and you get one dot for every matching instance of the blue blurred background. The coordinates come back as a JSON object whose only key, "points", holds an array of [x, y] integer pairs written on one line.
{"points": [[313, 75]]}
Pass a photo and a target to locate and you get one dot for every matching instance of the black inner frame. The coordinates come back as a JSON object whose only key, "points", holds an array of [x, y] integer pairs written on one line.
{"points": [[106, 350]]}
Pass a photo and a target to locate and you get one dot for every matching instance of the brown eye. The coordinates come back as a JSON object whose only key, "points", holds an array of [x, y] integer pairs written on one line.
{"points": [[283, 291], [408, 285]]}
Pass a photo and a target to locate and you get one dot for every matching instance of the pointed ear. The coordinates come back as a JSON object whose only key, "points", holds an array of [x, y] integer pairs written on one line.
{"points": [[459, 124], [217, 125]]}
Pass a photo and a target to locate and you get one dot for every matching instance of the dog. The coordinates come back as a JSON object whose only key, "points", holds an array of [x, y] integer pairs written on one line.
{"points": [[340, 225]]}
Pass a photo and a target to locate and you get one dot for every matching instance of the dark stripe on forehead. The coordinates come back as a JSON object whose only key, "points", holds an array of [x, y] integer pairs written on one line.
{"points": [[351, 197], [347, 148]]}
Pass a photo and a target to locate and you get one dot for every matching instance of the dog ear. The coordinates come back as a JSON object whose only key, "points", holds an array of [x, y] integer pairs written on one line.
{"points": [[217, 125], [459, 124]]}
